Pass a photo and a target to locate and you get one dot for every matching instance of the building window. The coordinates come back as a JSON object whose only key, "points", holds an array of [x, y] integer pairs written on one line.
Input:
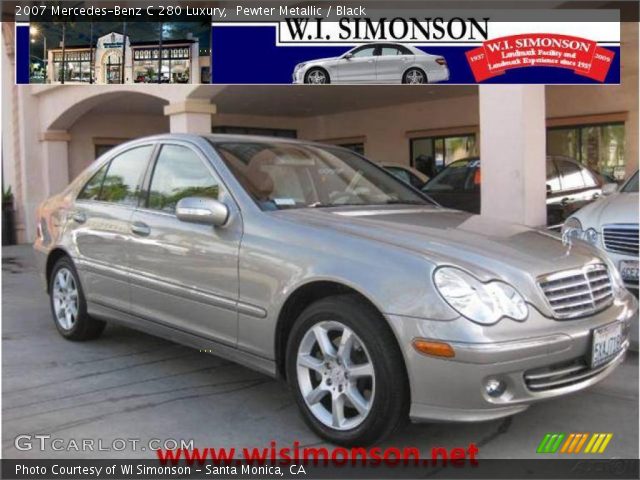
{"points": [[356, 147], [440, 151], [176, 63], [269, 132], [101, 149], [598, 146], [77, 66]]}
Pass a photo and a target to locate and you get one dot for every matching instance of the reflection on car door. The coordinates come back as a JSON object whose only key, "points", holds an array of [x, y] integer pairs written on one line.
{"points": [[184, 275], [361, 67], [100, 226], [578, 186], [391, 62]]}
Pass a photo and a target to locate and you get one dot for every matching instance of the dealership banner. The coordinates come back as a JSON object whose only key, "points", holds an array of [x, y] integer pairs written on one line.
{"points": [[476, 50], [275, 42]]}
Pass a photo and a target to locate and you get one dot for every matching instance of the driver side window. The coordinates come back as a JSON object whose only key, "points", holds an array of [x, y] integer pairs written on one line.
{"points": [[364, 52], [179, 173]]}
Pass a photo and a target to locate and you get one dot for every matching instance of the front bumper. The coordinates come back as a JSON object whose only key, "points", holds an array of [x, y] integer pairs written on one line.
{"points": [[454, 389]]}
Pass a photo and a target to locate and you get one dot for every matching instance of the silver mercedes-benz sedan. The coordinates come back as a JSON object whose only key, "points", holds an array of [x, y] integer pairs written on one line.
{"points": [[310, 263], [375, 63]]}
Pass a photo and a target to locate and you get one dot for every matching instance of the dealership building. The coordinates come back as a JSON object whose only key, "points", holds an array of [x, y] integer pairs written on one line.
{"points": [[181, 62], [52, 132]]}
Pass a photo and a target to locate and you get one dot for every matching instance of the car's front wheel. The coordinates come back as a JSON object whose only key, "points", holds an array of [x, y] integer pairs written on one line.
{"points": [[317, 76], [347, 371], [414, 76], [68, 304]]}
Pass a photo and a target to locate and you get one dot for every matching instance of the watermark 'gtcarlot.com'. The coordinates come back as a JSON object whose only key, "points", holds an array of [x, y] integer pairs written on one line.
{"points": [[44, 442]]}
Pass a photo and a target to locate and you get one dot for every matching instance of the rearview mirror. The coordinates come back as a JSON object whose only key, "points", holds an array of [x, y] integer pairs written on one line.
{"points": [[348, 56], [202, 210], [609, 188]]}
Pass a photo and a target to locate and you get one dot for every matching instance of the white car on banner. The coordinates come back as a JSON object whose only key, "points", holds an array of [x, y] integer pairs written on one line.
{"points": [[375, 63]]}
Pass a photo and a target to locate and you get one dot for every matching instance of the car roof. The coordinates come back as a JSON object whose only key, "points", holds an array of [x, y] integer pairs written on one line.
{"points": [[230, 137]]}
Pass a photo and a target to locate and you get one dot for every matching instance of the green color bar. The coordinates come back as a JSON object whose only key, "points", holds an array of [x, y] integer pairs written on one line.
{"points": [[543, 443], [556, 446]]}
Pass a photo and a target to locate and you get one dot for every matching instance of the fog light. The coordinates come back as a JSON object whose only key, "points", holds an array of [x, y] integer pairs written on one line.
{"points": [[495, 388]]}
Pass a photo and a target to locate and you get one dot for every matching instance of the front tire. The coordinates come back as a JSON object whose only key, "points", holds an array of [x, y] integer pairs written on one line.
{"points": [[347, 372], [317, 76], [414, 76], [68, 304]]}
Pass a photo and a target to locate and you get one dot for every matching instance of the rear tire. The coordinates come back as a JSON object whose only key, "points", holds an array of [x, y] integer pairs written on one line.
{"points": [[414, 76], [359, 393], [68, 304]]}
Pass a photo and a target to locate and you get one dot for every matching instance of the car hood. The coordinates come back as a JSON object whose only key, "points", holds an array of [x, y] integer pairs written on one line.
{"points": [[488, 247], [616, 208], [321, 60]]}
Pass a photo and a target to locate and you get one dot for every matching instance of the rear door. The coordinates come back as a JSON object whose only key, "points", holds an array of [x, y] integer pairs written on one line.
{"points": [[391, 62], [185, 275], [578, 186], [100, 226]]}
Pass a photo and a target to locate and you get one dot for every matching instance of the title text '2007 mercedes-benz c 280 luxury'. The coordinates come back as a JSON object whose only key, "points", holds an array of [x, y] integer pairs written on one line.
{"points": [[310, 263]]}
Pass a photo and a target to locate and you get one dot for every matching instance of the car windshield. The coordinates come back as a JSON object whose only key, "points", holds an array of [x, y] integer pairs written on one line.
{"points": [[632, 185], [460, 176], [282, 175]]}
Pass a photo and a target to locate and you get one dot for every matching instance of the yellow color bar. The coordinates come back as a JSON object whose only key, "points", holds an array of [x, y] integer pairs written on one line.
{"points": [[594, 437], [582, 440], [607, 439]]}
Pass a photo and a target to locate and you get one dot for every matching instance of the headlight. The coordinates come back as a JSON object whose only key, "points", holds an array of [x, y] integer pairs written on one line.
{"points": [[299, 66], [572, 230], [484, 303]]}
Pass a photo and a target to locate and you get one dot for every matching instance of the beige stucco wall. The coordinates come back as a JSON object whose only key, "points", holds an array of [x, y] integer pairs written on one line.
{"points": [[95, 128]]}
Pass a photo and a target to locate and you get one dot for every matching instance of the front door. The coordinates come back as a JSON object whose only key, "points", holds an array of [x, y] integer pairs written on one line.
{"points": [[185, 275], [359, 67]]}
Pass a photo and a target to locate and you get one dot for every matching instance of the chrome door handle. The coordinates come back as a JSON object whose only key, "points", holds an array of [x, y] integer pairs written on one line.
{"points": [[565, 201], [79, 217], [139, 228]]}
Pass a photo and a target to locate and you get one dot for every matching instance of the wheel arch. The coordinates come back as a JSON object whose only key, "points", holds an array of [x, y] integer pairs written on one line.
{"points": [[299, 299], [54, 255]]}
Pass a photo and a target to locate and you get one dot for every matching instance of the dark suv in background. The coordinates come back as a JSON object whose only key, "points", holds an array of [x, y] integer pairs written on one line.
{"points": [[570, 186]]}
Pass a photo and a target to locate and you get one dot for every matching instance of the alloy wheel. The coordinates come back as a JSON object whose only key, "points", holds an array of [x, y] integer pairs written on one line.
{"points": [[317, 77], [415, 77], [335, 375], [65, 298]]}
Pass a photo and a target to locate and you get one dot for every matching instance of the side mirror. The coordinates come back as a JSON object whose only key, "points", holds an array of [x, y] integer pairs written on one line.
{"points": [[202, 210], [348, 56], [609, 188], [548, 189]]}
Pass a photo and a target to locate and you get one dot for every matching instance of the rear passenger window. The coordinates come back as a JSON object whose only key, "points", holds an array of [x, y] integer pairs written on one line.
{"points": [[571, 176], [589, 179], [179, 173], [91, 190], [122, 182]]}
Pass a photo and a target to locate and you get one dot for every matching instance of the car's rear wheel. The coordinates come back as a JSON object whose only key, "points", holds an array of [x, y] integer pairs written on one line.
{"points": [[68, 304], [317, 76], [414, 76], [347, 371]]}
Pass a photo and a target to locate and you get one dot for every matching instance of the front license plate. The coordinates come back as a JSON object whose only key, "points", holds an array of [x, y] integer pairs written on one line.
{"points": [[607, 342], [629, 270]]}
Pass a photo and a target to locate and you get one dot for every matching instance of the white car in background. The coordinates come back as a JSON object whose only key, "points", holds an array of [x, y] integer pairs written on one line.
{"points": [[375, 63], [407, 174], [611, 224]]}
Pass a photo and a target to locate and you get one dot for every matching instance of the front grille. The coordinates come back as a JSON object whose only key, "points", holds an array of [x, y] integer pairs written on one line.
{"points": [[560, 375], [621, 238], [579, 292]]}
